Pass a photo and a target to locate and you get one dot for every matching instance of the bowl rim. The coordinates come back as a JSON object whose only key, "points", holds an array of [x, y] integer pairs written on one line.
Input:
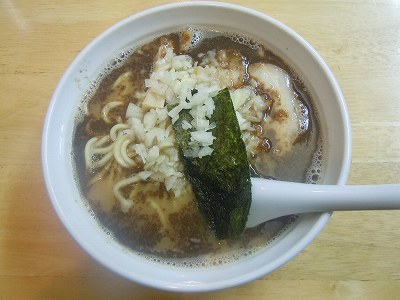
{"points": [[321, 218]]}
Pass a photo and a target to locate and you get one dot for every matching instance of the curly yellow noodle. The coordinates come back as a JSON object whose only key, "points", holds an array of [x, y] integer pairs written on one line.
{"points": [[124, 154], [106, 109], [126, 204], [88, 151], [101, 162], [117, 150], [114, 132]]}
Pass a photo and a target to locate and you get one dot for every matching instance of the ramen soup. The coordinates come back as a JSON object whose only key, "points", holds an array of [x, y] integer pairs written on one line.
{"points": [[127, 161]]}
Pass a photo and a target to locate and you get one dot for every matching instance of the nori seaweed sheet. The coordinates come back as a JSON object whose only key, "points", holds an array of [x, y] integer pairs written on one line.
{"points": [[220, 181]]}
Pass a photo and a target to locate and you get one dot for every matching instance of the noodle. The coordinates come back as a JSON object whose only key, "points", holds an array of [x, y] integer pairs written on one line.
{"points": [[124, 154], [100, 163], [103, 150], [126, 204], [118, 149], [88, 151], [106, 109], [114, 132]]}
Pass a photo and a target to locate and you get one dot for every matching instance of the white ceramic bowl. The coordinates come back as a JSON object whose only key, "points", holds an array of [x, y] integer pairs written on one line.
{"points": [[58, 129]]}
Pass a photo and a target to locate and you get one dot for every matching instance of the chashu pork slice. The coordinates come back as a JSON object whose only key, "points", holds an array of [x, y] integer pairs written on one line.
{"points": [[283, 122]]}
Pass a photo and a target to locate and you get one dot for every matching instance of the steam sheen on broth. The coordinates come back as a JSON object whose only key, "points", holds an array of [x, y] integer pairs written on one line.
{"points": [[158, 217]]}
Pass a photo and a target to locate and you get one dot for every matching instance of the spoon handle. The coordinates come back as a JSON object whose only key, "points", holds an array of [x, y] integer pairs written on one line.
{"points": [[272, 199]]}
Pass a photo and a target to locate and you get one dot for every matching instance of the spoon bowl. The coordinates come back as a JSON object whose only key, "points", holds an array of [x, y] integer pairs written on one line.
{"points": [[273, 199]]}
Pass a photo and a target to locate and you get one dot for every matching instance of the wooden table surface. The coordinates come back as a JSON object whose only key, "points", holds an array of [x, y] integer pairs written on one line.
{"points": [[357, 256]]}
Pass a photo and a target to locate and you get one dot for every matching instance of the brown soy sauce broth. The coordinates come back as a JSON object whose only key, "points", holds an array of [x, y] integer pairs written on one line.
{"points": [[189, 242]]}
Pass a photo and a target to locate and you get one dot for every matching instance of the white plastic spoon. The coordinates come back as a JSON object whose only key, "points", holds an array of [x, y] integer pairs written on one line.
{"points": [[272, 198]]}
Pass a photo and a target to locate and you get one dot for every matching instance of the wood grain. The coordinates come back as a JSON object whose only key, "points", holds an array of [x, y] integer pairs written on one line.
{"points": [[355, 257]]}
